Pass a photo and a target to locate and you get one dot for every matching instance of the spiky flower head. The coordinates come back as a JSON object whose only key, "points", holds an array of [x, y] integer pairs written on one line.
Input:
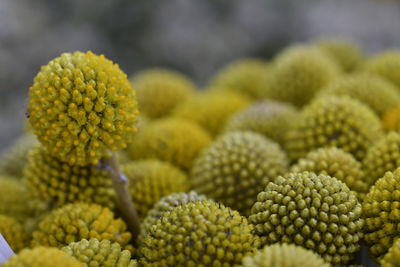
{"points": [[13, 160], [385, 64], [236, 167], [317, 212], [100, 253], [42, 257], [50, 179], [391, 119], [81, 106], [201, 233], [13, 232], [335, 163], [74, 222], [299, 73], [268, 117], [150, 180], [174, 140], [160, 90], [167, 203], [346, 54], [377, 93], [392, 258], [211, 109], [382, 214], [338, 121], [284, 255], [245, 76], [382, 156], [14, 200]]}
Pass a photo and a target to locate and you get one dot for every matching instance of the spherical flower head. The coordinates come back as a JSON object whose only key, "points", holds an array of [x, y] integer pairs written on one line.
{"points": [[174, 140], [150, 180], [334, 121], [298, 74], [381, 213], [245, 76], [100, 253], [317, 212], [391, 119], [50, 179], [211, 109], [382, 156], [236, 167], [268, 117], [42, 257], [13, 160], [167, 203], [74, 222], [201, 233], [160, 90], [81, 107], [335, 163], [385, 65], [346, 54], [284, 255], [14, 199], [13, 232], [392, 258], [377, 93]]}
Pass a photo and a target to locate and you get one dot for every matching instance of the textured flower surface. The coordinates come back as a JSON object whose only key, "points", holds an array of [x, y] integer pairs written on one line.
{"points": [[14, 200], [382, 156], [347, 55], [174, 140], [268, 117], [160, 90], [100, 253], [298, 74], [167, 203], [392, 258], [74, 222], [13, 161], [150, 180], [284, 255], [317, 212], [211, 109], [245, 76], [50, 179], [13, 232], [382, 214], [338, 121], [385, 65], [236, 167], [42, 257], [202, 233], [371, 90], [82, 105], [335, 163]]}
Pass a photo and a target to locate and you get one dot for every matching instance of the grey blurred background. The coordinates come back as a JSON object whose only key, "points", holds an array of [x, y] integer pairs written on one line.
{"points": [[196, 37]]}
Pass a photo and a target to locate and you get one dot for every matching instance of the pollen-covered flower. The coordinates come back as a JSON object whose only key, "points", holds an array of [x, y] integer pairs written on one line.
{"points": [[82, 105]]}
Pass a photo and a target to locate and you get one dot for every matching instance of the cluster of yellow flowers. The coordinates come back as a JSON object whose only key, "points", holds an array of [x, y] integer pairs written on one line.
{"points": [[293, 161]]}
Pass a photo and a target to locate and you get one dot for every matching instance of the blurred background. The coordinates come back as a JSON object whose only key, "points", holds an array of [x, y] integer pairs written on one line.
{"points": [[196, 37]]}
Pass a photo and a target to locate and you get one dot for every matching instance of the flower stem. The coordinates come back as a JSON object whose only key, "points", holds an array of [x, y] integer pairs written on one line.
{"points": [[124, 200]]}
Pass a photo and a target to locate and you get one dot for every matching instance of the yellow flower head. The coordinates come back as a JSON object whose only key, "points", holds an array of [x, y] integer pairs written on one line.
{"points": [[50, 179], [160, 90], [201, 233], [42, 257], [74, 222], [284, 255], [150, 180], [13, 232], [317, 212], [81, 106], [392, 258]]}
